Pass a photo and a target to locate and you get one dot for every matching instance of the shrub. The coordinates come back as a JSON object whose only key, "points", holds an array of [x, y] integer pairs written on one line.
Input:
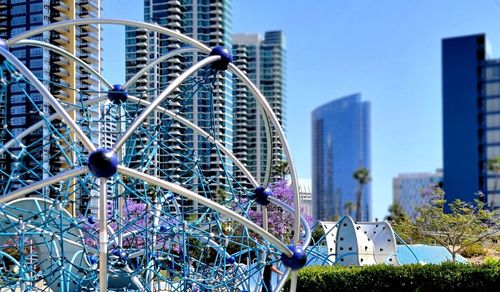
{"points": [[473, 250], [443, 277]]}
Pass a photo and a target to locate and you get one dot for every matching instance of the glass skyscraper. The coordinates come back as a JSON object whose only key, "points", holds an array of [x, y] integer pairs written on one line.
{"points": [[340, 146], [471, 118], [263, 60]]}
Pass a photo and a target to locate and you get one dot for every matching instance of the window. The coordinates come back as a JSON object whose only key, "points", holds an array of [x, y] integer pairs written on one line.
{"points": [[492, 73], [492, 151], [493, 105], [492, 121], [493, 136], [18, 121], [16, 110], [492, 88], [18, 9]]}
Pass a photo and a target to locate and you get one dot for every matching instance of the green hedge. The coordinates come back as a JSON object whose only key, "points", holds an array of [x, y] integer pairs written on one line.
{"points": [[443, 277]]}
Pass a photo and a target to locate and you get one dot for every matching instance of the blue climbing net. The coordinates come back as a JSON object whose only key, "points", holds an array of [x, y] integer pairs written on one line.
{"points": [[156, 237]]}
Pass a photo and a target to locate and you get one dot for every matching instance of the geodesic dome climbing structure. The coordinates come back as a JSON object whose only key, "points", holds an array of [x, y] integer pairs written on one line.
{"points": [[111, 191]]}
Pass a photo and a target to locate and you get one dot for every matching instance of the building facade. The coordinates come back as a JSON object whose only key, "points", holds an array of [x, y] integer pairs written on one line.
{"points": [[210, 23], [411, 190], [340, 146], [305, 192], [471, 119], [56, 72], [263, 60]]}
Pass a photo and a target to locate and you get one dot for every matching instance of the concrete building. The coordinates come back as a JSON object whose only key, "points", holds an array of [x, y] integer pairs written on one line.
{"points": [[263, 60], [208, 22], [411, 190], [471, 118], [340, 146]]}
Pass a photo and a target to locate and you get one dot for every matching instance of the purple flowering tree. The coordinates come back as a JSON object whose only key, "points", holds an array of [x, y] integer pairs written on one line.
{"points": [[279, 220]]}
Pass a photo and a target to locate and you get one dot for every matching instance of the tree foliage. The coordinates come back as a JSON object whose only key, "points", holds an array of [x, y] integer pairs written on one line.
{"points": [[466, 224], [362, 176], [280, 221]]}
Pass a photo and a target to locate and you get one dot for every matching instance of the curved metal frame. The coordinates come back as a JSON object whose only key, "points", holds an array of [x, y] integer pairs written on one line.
{"points": [[267, 111]]}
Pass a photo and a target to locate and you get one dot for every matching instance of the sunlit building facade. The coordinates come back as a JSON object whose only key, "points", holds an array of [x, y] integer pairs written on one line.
{"points": [[263, 59]]}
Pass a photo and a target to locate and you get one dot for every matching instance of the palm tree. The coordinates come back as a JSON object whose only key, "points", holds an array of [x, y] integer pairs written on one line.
{"points": [[362, 176], [281, 168], [493, 164], [348, 208]]}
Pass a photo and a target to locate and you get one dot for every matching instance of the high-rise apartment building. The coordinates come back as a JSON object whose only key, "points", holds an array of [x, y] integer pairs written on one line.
{"points": [[56, 72], [210, 23], [411, 190], [340, 146], [263, 60], [471, 118]]}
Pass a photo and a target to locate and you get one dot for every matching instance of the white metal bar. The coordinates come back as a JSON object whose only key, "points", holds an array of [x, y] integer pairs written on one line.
{"points": [[48, 96], [87, 21], [39, 124], [204, 134], [103, 235], [43, 183], [274, 120], [144, 114], [206, 202], [66, 54], [156, 62]]}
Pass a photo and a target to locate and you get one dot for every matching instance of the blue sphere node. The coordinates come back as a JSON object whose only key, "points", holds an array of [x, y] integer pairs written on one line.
{"points": [[225, 57], [230, 260], [103, 163], [93, 259], [120, 253], [91, 220], [164, 228], [118, 94], [297, 261], [262, 195]]}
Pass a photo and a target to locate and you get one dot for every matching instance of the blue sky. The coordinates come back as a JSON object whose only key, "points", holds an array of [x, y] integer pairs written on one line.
{"points": [[388, 50]]}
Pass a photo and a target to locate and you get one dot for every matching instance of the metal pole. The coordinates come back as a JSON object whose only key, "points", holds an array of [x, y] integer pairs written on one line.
{"points": [[103, 235], [274, 120], [144, 114], [206, 202], [43, 183], [48, 96], [204, 134], [156, 62], [65, 54]]}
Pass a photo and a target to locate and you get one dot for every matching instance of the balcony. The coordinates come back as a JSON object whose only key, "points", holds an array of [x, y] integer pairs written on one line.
{"points": [[59, 38], [61, 72], [61, 94], [89, 58], [59, 16], [59, 60], [89, 4], [59, 5]]}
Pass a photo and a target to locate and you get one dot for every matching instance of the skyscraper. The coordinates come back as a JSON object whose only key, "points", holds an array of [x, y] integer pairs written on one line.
{"points": [[56, 72], [411, 190], [471, 118], [208, 22], [340, 146], [263, 60]]}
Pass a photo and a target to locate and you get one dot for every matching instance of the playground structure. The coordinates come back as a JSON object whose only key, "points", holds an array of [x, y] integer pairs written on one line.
{"points": [[350, 243], [155, 228]]}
